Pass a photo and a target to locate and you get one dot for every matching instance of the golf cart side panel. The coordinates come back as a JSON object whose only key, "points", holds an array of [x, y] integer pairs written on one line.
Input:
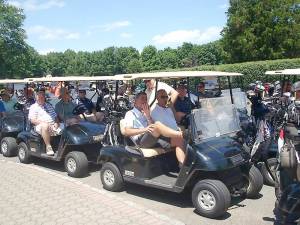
{"points": [[23, 136], [114, 154], [83, 133]]}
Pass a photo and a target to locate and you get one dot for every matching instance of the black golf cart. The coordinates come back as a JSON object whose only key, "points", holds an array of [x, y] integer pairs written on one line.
{"points": [[12, 124], [216, 167], [77, 145]]}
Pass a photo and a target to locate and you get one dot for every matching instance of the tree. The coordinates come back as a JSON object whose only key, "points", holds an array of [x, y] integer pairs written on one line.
{"points": [[150, 58], [259, 30]]}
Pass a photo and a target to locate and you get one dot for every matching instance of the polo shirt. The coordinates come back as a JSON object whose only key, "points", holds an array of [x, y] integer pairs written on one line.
{"points": [[165, 116], [9, 105], [64, 110], [135, 119], [88, 104], [44, 112], [160, 85], [183, 105]]}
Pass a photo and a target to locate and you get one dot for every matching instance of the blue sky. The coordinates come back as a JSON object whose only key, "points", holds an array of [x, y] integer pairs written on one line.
{"points": [[90, 25]]}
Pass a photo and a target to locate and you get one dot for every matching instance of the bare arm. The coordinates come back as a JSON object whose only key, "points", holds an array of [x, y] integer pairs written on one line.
{"points": [[134, 131]]}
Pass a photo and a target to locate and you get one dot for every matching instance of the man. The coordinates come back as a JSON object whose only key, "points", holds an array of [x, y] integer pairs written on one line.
{"points": [[8, 102], [91, 114], [164, 114], [150, 91], [183, 104], [2, 109], [45, 121], [201, 90], [64, 108], [141, 128]]}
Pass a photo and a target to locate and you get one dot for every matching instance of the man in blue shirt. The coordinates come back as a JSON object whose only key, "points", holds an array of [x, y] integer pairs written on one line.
{"points": [[183, 105], [90, 110]]}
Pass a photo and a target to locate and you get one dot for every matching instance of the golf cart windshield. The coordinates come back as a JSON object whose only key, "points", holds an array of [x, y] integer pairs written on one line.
{"points": [[239, 98], [214, 120]]}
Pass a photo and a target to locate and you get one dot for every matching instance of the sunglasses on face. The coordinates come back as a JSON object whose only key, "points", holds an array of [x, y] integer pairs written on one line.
{"points": [[164, 97]]}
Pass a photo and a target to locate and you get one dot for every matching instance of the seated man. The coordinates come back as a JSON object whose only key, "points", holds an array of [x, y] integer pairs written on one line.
{"points": [[91, 114], [2, 109], [8, 102], [45, 121], [64, 108], [183, 105], [141, 128]]}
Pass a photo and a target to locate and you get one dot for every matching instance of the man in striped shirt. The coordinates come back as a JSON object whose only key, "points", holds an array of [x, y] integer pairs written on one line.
{"points": [[45, 120]]}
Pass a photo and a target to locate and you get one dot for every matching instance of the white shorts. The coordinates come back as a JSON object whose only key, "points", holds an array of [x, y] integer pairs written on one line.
{"points": [[52, 130]]}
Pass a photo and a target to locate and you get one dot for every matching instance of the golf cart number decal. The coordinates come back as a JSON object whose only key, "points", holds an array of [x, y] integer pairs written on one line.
{"points": [[33, 149], [97, 138], [129, 173]]}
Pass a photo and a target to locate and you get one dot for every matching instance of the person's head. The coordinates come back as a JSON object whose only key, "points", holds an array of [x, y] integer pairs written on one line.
{"points": [[287, 86], [150, 83], [5, 95], [82, 93], [162, 97], [41, 96], [140, 99], [64, 94], [182, 91], [201, 87]]}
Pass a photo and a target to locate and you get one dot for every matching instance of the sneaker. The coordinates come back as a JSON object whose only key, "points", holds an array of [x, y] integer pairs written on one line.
{"points": [[49, 151]]}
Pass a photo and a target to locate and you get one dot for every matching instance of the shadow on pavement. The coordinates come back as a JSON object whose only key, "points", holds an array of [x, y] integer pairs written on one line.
{"points": [[268, 219]]}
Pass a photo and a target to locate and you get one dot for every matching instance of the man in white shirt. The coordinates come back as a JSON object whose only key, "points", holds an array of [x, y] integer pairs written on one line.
{"points": [[162, 113], [150, 91], [42, 115], [141, 128]]}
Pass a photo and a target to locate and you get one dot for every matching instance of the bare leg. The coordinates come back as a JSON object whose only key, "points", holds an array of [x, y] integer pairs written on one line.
{"points": [[45, 133], [179, 144], [161, 129]]}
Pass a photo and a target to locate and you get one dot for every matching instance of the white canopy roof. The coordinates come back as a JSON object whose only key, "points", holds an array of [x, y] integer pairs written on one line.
{"points": [[174, 75], [70, 78], [12, 81], [284, 72]]}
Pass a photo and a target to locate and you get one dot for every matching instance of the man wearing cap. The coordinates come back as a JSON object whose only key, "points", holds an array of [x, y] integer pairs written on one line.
{"points": [[150, 91], [91, 114], [8, 102], [43, 117], [64, 108]]}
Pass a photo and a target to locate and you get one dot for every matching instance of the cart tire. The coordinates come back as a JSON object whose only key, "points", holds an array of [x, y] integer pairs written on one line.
{"points": [[9, 147], [76, 164], [211, 198], [23, 153], [111, 177], [268, 180], [256, 182]]}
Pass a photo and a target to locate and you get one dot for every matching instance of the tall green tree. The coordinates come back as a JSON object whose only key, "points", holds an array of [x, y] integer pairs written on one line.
{"points": [[262, 29], [150, 58]]}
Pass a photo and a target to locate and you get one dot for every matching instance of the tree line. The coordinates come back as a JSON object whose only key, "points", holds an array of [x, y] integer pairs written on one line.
{"points": [[255, 30]]}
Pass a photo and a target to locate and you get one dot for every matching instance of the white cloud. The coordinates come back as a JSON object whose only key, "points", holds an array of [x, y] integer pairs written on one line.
{"points": [[224, 6], [196, 36], [45, 33], [115, 25], [46, 51], [35, 5], [126, 35]]}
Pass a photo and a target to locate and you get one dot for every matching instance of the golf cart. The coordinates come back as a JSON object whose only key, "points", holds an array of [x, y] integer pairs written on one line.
{"points": [[77, 145], [216, 167], [12, 124]]}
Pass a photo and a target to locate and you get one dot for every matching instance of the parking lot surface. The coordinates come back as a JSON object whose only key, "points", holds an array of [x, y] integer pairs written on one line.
{"points": [[42, 193]]}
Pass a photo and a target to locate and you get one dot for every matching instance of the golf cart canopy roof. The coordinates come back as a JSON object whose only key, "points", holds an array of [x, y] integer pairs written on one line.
{"points": [[70, 78], [174, 75], [12, 81], [284, 72]]}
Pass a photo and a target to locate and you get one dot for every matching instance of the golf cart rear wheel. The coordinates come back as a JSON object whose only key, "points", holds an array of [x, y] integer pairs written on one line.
{"points": [[211, 198], [111, 177], [76, 164], [256, 182], [9, 146], [272, 163], [23, 153]]}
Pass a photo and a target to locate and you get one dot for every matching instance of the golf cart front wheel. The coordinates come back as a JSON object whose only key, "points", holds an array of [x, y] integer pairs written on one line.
{"points": [[111, 177], [76, 164], [23, 153], [272, 164], [211, 198], [256, 182], [9, 146]]}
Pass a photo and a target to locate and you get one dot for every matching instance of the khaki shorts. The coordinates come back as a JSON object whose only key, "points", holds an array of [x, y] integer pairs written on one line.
{"points": [[52, 130]]}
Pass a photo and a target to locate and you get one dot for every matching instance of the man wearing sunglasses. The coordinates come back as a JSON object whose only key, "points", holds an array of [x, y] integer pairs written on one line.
{"points": [[150, 91], [164, 114]]}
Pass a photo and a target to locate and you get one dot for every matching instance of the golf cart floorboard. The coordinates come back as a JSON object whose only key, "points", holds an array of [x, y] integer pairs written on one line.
{"points": [[165, 180]]}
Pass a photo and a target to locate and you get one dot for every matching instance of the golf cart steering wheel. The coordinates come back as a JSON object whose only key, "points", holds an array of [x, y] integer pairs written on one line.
{"points": [[79, 110]]}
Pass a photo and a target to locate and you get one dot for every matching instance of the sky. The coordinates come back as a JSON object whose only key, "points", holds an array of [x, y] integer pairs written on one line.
{"points": [[92, 25]]}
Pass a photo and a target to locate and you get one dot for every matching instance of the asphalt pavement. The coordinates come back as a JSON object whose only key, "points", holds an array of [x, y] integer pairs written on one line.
{"points": [[158, 207]]}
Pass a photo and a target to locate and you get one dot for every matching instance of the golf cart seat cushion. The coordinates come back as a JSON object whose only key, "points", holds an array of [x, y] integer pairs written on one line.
{"points": [[151, 152], [147, 152]]}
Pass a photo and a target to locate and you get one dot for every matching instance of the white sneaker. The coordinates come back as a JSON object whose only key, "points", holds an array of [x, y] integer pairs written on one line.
{"points": [[49, 151]]}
